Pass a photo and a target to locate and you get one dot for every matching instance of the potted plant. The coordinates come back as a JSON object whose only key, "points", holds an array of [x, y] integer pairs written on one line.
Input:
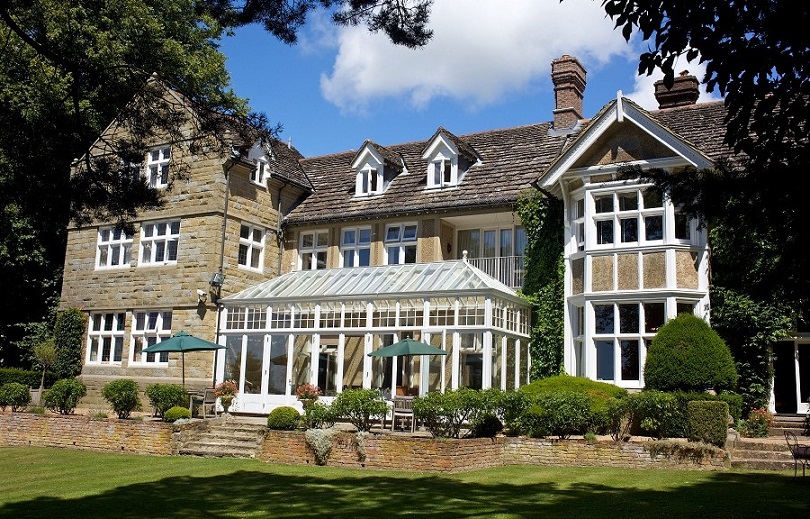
{"points": [[307, 394], [226, 391]]}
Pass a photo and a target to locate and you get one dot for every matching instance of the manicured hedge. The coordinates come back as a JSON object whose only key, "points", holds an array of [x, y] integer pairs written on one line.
{"points": [[558, 413], [123, 396], [707, 422], [64, 396], [165, 396], [176, 413], [283, 418], [25, 377]]}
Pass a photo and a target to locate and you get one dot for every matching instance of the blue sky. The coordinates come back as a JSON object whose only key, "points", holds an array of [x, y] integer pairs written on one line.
{"points": [[487, 67]]}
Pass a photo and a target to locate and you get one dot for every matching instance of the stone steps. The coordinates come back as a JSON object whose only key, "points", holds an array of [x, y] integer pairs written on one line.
{"points": [[761, 454], [227, 439], [792, 422]]}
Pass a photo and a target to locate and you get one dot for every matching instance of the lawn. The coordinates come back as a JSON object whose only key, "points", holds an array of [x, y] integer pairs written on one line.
{"points": [[45, 483]]}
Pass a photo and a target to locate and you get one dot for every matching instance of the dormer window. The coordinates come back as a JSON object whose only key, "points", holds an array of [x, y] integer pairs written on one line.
{"points": [[448, 159], [369, 181], [157, 167], [259, 172]]}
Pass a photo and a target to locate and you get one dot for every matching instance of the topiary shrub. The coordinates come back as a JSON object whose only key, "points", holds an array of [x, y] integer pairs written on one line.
{"points": [[64, 395], [707, 422], [687, 355], [176, 413], [123, 396], [360, 407], [283, 418], [15, 395], [682, 400], [558, 413], [165, 396]]}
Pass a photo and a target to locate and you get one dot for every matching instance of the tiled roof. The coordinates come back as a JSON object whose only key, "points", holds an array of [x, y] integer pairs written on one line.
{"points": [[511, 159], [286, 165]]}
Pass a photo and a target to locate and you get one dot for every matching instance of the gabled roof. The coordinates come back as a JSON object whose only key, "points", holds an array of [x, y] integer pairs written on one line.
{"points": [[511, 160], [614, 116], [462, 147], [381, 282], [390, 158]]}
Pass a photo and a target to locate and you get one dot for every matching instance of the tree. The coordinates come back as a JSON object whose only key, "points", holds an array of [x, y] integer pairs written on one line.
{"points": [[45, 354]]}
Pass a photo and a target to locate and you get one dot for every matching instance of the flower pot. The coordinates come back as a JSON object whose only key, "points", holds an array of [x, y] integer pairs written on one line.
{"points": [[226, 402]]}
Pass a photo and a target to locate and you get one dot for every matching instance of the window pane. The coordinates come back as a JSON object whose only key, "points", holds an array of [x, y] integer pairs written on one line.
{"points": [[520, 241], [393, 255], [604, 232], [603, 204], [604, 360], [628, 201], [160, 250], [603, 315], [686, 308], [277, 384], [653, 317], [254, 259], [653, 198], [307, 240], [629, 318], [323, 239], [630, 360], [233, 357], [349, 237], [489, 244], [243, 250], [392, 234], [172, 253], [364, 257], [253, 364], [682, 231], [409, 233], [506, 242], [629, 229], [348, 258], [365, 236], [244, 231], [410, 254], [469, 241], [654, 227]]}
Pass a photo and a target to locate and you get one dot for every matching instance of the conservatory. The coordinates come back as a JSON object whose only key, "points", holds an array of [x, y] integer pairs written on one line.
{"points": [[319, 327]]}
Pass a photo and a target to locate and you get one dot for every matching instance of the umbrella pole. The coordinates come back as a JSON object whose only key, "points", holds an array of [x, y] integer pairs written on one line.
{"points": [[183, 362], [214, 376]]}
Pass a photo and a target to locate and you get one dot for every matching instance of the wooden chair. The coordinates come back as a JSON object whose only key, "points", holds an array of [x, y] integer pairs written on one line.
{"points": [[800, 452], [207, 399], [403, 409]]}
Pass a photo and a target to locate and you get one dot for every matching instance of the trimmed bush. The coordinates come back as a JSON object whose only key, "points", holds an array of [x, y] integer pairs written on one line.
{"points": [[707, 422], [558, 413], [25, 377], [15, 395], [163, 397], [320, 416], [283, 418], [486, 426], [618, 415], [445, 414], [680, 429], [64, 395], [123, 396], [176, 413], [68, 334], [656, 414], [360, 407], [687, 355]]}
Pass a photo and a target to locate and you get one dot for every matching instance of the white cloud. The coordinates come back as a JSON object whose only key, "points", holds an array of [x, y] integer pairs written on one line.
{"points": [[481, 50]]}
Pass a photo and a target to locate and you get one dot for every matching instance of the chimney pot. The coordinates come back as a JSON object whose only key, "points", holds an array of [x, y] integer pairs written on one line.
{"points": [[685, 91]]}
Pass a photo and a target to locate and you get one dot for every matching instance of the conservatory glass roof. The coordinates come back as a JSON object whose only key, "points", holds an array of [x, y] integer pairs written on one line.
{"points": [[456, 277]]}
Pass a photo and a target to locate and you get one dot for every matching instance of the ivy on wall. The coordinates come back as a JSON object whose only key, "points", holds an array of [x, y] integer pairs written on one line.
{"points": [[542, 217]]}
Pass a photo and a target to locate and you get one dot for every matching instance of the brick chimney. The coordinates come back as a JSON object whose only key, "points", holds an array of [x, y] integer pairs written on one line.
{"points": [[568, 77], [685, 91]]}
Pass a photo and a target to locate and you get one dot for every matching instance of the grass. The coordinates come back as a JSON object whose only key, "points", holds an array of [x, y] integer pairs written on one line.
{"points": [[44, 483]]}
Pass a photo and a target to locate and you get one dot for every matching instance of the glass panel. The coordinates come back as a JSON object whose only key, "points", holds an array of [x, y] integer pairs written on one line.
{"points": [[603, 315], [506, 243], [253, 364], [497, 360], [233, 358], [489, 244], [604, 360], [353, 362], [364, 257], [579, 359], [327, 365], [628, 201], [654, 227], [471, 360], [630, 360], [686, 308], [302, 360], [410, 254], [682, 230], [392, 234], [628, 318], [653, 317], [409, 234], [244, 232], [604, 232], [653, 198], [436, 363], [524, 364], [349, 237], [365, 236], [629, 229], [520, 241], [470, 241], [277, 365], [603, 203]]}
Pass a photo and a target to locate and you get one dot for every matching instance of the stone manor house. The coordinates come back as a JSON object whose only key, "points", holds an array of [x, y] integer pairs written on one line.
{"points": [[301, 267]]}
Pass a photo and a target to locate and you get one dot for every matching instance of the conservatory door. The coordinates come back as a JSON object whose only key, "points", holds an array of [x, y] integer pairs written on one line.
{"points": [[264, 380]]}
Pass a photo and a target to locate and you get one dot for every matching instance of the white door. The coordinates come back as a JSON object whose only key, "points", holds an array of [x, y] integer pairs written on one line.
{"points": [[802, 377]]}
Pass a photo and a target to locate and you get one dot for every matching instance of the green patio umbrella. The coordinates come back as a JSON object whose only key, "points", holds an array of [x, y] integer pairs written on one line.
{"points": [[183, 342], [407, 347]]}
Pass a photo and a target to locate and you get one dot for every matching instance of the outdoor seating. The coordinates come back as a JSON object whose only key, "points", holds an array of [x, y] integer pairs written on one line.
{"points": [[403, 409], [207, 399], [800, 452]]}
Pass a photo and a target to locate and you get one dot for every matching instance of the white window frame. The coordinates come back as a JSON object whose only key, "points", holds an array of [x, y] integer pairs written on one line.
{"points": [[397, 246], [442, 172], [157, 166], [106, 327], [250, 245], [260, 172], [365, 185], [168, 240], [308, 255], [350, 252], [113, 249], [157, 326], [616, 216]]}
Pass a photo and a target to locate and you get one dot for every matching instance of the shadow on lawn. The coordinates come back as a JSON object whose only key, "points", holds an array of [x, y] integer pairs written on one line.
{"points": [[265, 494]]}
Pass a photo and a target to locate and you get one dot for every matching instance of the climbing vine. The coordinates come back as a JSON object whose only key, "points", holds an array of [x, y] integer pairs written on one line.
{"points": [[542, 217]]}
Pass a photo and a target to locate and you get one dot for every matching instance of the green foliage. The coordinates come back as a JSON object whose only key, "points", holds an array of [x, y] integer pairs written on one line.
{"points": [[68, 334], [46, 356], [733, 400], [165, 396], [599, 392], [284, 418], [320, 441], [64, 395], [15, 395], [750, 329], [445, 414], [123, 396], [486, 425], [320, 416], [360, 407], [656, 414], [176, 413], [25, 377], [558, 413], [542, 217], [617, 417], [687, 355], [707, 422], [758, 423]]}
